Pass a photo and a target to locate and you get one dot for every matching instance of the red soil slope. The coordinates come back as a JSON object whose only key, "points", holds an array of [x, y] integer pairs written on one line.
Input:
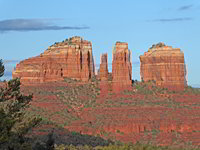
{"points": [[142, 113]]}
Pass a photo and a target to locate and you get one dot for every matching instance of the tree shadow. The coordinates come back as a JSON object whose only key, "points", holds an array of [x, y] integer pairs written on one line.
{"points": [[58, 136]]}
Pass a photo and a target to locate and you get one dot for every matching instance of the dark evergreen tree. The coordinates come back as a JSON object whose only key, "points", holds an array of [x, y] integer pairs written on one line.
{"points": [[2, 68], [50, 142], [14, 125]]}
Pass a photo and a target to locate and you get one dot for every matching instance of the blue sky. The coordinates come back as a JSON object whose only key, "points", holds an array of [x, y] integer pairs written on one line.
{"points": [[28, 27]]}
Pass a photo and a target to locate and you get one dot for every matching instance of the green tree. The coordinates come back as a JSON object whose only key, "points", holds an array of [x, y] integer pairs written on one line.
{"points": [[50, 142], [45, 145], [14, 123], [2, 69]]}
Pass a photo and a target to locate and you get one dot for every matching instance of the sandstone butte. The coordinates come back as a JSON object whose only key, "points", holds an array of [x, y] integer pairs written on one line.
{"points": [[103, 71], [121, 64], [71, 58], [165, 65]]}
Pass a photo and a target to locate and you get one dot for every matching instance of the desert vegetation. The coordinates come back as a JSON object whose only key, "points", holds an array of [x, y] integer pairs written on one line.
{"points": [[72, 114], [14, 123]]}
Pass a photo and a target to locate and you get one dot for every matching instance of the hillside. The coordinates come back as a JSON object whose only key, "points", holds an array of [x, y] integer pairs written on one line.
{"points": [[143, 113]]}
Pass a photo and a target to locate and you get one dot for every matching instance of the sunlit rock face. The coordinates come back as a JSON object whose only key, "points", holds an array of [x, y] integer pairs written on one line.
{"points": [[103, 71], [121, 64], [165, 65], [71, 58]]}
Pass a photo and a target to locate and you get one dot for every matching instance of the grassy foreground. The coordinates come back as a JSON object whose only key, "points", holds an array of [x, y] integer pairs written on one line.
{"points": [[137, 146]]}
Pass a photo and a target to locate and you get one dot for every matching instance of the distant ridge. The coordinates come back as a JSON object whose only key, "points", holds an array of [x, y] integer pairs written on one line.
{"points": [[9, 66], [195, 85]]}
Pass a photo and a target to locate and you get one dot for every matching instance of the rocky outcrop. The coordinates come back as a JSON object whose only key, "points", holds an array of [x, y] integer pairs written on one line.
{"points": [[37, 70], [165, 65], [71, 58], [121, 64], [103, 71]]}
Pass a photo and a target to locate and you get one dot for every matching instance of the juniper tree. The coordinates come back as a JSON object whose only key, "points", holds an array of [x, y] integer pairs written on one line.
{"points": [[14, 125], [2, 69]]}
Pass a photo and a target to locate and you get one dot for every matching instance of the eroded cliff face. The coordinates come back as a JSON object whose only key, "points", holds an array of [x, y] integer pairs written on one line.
{"points": [[103, 71], [165, 65], [121, 64], [71, 58]]}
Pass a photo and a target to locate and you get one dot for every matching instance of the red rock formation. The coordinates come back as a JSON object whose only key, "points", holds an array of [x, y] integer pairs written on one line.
{"points": [[70, 58], [165, 65], [121, 65], [103, 71]]}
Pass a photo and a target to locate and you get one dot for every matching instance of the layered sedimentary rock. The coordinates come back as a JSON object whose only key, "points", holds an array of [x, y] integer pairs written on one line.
{"points": [[121, 64], [165, 65], [71, 58], [103, 71]]}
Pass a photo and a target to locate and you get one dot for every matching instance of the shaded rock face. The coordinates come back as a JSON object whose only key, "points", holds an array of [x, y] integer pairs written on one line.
{"points": [[71, 58], [165, 65], [103, 71], [121, 64]]}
